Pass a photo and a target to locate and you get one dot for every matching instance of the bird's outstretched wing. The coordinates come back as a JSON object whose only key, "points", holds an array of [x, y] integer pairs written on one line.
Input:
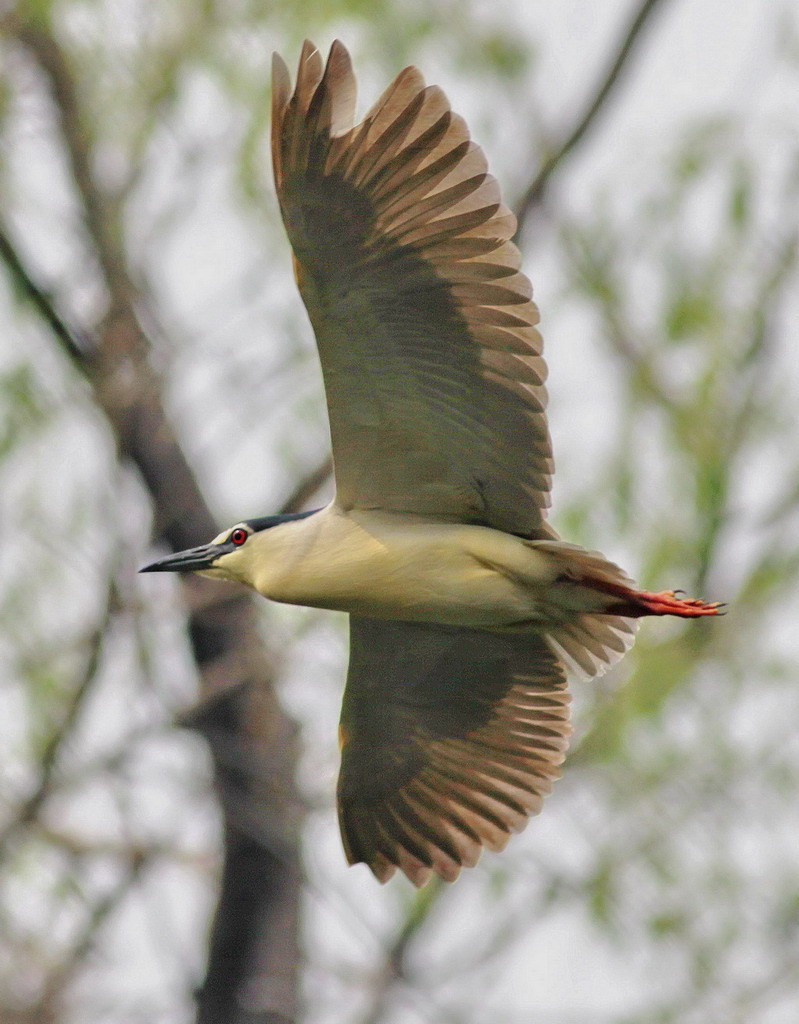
{"points": [[451, 737], [424, 322]]}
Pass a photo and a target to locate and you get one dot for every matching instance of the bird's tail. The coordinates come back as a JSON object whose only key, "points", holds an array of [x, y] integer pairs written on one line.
{"points": [[594, 607], [587, 637]]}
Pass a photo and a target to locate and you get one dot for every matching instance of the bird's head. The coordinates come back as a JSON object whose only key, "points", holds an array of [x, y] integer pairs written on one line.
{"points": [[224, 558], [232, 555]]}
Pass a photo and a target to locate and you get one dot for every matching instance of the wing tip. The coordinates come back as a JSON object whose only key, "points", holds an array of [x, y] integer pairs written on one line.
{"points": [[281, 86]]}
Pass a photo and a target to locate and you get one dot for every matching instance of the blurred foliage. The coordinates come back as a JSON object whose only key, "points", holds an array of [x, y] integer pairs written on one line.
{"points": [[667, 855]]}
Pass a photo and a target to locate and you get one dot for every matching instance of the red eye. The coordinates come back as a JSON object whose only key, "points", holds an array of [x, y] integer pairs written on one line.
{"points": [[238, 536]]}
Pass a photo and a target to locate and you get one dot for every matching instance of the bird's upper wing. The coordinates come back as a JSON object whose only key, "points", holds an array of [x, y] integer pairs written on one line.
{"points": [[425, 324], [450, 739]]}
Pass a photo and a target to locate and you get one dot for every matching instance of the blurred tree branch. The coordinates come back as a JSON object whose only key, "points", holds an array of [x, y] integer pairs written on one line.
{"points": [[44, 304], [599, 97], [48, 762], [48, 1008], [251, 738], [395, 962]]}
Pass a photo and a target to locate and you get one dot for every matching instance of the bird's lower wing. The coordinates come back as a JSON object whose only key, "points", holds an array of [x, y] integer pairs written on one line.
{"points": [[451, 737]]}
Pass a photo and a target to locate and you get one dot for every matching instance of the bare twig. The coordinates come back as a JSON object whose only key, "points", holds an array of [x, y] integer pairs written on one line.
{"points": [[75, 346], [619, 331], [86, 940], [30, 807], [776, 276], [395, 959], [103, 229], [309, 486], [598, 99], [78, 845]]}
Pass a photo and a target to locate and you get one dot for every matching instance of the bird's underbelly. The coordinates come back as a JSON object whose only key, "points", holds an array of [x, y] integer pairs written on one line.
{"points": [[440, 592], [384, 566]]}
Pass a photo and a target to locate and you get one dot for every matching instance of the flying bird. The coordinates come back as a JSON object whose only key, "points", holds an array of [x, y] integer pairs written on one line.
{"points": [[467, 611]]}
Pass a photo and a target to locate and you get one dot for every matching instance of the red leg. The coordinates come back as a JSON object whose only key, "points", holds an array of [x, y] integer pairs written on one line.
{"points": [[642, 602], [637, 603]]}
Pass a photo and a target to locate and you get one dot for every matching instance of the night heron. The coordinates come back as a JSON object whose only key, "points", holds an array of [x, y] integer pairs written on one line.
{"points": [[467, 611]]}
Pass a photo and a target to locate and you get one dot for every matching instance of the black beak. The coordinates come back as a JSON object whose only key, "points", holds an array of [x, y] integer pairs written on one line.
{"points": [[187, 561]]}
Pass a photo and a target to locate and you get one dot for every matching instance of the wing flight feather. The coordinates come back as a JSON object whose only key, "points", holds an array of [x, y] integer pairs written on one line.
{"points": [[424, 321], [451, 738]]}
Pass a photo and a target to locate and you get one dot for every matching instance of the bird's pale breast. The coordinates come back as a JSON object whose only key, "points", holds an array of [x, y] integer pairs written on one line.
{"points": [[386, 565]]}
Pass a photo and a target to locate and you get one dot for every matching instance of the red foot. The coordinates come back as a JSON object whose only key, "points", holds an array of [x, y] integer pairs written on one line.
{"points": [[668, 603], [634, 604]]}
